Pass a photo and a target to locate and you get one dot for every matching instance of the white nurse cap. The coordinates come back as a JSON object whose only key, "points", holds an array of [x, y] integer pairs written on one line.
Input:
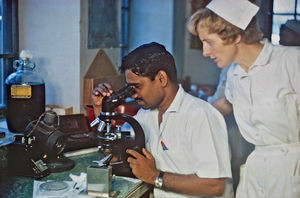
{"points": [[236, 12]]}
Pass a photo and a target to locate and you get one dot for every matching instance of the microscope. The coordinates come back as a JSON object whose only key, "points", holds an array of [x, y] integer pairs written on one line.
{"points": [[114, 142]]}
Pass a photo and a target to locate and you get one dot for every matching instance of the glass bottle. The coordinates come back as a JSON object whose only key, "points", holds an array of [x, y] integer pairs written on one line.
{"points": [[25, 94]]}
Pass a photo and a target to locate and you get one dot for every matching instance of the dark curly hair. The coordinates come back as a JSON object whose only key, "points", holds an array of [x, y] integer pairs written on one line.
{"points": [[148, 59]]}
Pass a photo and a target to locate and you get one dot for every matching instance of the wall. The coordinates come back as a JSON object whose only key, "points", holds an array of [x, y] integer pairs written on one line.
{"points": [[164, 22], [202, 70], [50, 29], [87, 55], [151, 21], [56, 32]]}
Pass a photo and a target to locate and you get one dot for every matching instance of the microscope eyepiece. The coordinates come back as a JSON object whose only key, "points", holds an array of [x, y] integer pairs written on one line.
{"points": [[117, 98], [123, 93]]}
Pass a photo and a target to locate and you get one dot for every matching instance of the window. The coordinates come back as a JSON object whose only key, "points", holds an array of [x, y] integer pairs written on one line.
{"points": [[8, 42], [283, 10]]}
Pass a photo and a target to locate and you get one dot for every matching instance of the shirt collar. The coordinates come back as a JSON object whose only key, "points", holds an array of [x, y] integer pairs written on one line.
{"points": [[265, 54], [262, 59], [238, 71], [176, 103]]}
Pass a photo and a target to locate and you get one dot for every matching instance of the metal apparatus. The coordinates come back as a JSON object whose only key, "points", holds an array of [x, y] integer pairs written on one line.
{"points": [[39, 152], [113, 140]]}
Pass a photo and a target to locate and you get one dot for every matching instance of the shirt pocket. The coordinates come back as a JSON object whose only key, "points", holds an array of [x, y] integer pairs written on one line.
{"points": [[276, 115], [174, 159]]}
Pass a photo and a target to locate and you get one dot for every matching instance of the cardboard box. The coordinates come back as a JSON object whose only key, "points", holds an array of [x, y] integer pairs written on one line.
{"points": [[60, 110], [101, 70]]}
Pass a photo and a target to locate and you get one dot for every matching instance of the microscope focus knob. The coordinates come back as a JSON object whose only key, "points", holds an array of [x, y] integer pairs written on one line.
{"points": [[101, 126], [95, 122]]}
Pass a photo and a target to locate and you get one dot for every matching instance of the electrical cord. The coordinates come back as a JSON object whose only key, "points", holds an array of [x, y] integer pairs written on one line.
{"points": [[36, 124]]}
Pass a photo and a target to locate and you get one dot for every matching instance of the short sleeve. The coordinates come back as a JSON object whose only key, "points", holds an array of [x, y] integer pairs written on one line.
{"points": [[209, 144]]}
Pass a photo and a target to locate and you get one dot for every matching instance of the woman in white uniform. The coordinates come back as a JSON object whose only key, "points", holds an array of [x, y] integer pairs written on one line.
{"points": [[262, 89]]}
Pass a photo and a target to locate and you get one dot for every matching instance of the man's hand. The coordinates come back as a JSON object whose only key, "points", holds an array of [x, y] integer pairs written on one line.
{"points": [[102, 90], [143, 166]]}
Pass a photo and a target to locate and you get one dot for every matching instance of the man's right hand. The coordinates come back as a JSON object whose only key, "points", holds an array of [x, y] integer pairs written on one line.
{"points": [[102, 90]]}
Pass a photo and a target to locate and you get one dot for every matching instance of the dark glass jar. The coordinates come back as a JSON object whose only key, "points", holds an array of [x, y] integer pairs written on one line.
{"points": [[25, 94]]}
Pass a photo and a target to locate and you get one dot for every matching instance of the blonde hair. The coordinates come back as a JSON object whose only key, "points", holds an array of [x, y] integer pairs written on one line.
{"points": [[227, 32]]}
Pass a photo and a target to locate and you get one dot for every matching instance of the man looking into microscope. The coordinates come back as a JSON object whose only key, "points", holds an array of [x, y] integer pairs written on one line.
{"points": [[187, 152]]}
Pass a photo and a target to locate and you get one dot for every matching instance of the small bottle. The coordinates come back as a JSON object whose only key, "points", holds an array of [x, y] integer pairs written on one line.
{"points": [[25, 94]]}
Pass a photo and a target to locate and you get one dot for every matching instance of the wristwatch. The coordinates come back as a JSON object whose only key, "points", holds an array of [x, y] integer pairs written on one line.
{"points": [[158, 182]]}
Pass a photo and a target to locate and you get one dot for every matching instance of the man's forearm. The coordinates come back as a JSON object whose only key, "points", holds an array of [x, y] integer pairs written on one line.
{"points": [[97, 110], [193, 185]]}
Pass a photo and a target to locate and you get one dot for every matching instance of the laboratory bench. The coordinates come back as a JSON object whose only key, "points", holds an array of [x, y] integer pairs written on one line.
{"points": [[23, 187]]}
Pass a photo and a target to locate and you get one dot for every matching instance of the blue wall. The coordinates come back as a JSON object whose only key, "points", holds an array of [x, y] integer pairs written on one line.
{"points": [[151, 21]]}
